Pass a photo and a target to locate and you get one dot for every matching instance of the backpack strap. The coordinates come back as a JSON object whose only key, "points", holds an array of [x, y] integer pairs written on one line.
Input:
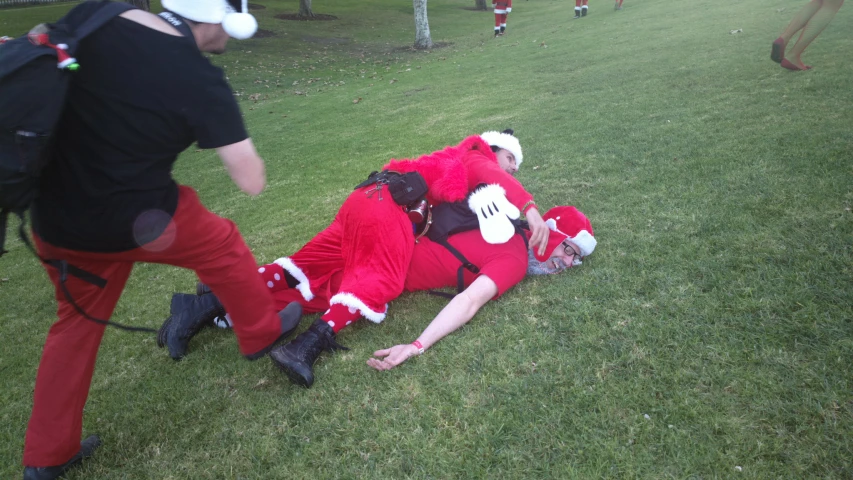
{"points": [[178, 22], [466, 265]]}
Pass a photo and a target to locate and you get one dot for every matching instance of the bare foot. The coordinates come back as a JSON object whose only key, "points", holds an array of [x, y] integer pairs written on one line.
{"points": [[793, 66]]}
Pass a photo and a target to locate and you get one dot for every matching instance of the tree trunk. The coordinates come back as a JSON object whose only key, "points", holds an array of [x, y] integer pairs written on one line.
{"points": [[422, 38], [305, 9], [143, 4], [480, 5]]}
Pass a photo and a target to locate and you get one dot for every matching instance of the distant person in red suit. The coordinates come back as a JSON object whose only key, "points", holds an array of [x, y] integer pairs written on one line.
{"points": [[810, 21], [580, 8], [618, 5], [502, 8]]}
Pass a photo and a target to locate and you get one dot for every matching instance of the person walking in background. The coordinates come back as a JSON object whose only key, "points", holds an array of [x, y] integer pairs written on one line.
{"points": [[809, 21], [581, 8], [502, 8], [618, 5]]}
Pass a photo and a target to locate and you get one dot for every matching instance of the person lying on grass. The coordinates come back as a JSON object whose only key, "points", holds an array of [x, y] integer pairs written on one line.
{"points": [[499, 267], [372, 237]]}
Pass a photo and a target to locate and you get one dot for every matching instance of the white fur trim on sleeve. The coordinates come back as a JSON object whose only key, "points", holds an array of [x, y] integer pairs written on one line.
{"points": [[304, 285]]}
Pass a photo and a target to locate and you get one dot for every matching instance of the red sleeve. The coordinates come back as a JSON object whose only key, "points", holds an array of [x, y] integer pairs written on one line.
{"points": [[482, 169]]}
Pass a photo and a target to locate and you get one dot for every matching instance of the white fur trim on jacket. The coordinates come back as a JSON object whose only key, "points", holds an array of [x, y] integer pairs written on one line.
{"points": [[505, 141], [350, 300], [304, 285]]}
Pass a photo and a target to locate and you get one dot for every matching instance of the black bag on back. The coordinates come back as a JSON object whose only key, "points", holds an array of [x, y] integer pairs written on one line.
{"points": [[457, 217], [35, 71]]}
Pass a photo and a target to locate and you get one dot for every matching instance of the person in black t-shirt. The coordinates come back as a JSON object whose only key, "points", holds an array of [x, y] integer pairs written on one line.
{"points": [[108, 200]]}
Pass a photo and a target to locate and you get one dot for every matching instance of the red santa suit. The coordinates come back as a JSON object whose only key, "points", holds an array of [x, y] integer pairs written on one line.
{"points": [[372, 267], [502, 8]]}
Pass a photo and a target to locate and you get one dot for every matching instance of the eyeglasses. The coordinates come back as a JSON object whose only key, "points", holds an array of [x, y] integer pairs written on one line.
{"points": [[569, 250]]}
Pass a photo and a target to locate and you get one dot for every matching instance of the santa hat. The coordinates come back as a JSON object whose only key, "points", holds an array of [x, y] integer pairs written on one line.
{"points": [[506, 141], [232, 14], [567, 222]]}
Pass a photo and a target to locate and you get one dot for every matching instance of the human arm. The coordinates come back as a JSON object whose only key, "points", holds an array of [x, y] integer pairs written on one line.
{"points": [[539, 230], [244, 165], [455, 314]]}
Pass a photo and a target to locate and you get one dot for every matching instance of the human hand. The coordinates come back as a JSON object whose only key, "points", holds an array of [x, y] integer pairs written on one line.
{"points": [[392, 356], [539, 231]]}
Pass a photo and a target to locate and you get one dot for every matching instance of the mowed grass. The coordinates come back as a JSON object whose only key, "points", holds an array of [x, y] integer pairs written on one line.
{"points": [[709, 336]]}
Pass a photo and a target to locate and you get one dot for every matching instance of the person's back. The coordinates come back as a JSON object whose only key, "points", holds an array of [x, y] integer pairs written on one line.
{"points": [[140, 98]]}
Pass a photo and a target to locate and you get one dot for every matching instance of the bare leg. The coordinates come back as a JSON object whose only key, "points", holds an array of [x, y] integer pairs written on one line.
{"points": [[813, 28], [797, 23]]}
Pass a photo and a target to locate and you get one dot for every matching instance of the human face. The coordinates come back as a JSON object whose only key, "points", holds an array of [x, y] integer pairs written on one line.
{"points": [[507, 161], [564, 256]]}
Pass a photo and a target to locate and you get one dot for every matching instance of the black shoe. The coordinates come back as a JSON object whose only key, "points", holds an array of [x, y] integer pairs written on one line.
{"points": [[503, 30], [583, 12], [87, 448], [290, 317], [577, 14], [189, 314], [296, 359]]}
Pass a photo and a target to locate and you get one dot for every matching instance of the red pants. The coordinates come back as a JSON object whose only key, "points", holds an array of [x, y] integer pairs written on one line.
{"points": [[196, 239], [359, 261]]}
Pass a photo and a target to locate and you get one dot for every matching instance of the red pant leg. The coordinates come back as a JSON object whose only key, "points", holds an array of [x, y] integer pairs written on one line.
{"points": [[377, 245], [213, 247], [68, 361]]}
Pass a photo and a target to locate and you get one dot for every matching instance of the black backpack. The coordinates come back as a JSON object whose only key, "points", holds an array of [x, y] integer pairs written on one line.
{"points": [[35, 71], [457, 217]]}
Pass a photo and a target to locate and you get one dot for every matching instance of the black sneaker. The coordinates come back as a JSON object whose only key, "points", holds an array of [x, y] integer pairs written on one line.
{"points": [[577, 14], [87, 448], [583, 12]]}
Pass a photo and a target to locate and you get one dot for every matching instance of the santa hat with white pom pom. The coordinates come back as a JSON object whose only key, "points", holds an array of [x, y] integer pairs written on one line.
{"points": [[232, 14]]}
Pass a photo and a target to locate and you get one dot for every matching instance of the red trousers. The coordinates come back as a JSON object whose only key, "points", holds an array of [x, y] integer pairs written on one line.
{"points": [[359, 261], [195, 239]]}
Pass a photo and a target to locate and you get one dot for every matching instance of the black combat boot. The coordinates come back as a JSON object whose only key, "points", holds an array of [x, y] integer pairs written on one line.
{"points": [[188, 314], [296, 359], [87, 448]]}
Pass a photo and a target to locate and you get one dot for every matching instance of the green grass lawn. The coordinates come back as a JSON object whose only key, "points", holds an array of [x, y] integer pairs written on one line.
{"points": [[709, 336]]}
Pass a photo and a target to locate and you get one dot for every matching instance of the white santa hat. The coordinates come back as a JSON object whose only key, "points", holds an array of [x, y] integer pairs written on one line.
{"points": [[568, 222], [232, 14], [506, 141]]}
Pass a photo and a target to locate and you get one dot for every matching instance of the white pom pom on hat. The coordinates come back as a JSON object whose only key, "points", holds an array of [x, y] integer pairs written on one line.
{"points": [[237, 24], [505, 141]]}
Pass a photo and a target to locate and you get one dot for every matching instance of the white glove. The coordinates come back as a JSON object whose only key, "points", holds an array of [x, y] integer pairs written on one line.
{"points": [[493, 213], [509, 9]]}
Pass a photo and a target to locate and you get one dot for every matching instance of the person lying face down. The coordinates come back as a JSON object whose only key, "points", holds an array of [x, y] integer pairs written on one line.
{"points": [[501, 266]]}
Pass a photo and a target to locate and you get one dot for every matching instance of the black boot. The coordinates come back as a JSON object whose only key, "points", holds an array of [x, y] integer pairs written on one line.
{"points": [[583, 11], [188, 315], [290, 317], [87, 448], [201, 289], [503, 30], [296, 359]]}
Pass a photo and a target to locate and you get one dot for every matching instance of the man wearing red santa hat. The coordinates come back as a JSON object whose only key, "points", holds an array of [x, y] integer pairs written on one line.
{"points": [[108, 200], [500, 266]]}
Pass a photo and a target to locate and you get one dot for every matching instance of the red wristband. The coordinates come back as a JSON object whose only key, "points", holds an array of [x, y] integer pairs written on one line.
{"points": [[419, 346]]}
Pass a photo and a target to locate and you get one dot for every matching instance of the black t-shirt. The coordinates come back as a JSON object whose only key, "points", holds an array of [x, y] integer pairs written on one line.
{"points": [[139, 99]]}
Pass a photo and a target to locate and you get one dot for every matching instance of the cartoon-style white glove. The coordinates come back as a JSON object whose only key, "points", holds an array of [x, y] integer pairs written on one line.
{"points": [[508, 9], [494, 213]]}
